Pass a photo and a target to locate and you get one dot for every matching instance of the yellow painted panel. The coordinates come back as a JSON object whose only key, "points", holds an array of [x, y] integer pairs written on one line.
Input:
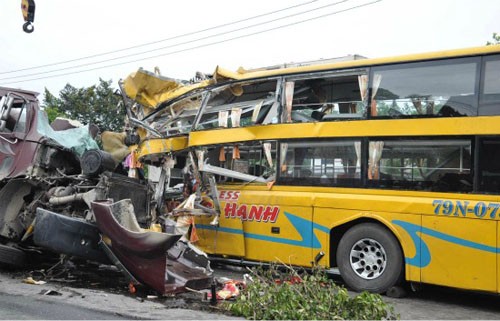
{"points": [[224, 239], [445, 240], [498, 259], [292, 241], [150, 89], [462, 252], [481, 125], [161, 146]]}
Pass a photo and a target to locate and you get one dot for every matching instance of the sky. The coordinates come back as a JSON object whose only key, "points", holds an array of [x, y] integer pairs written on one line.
{"points": [[80, 42]]}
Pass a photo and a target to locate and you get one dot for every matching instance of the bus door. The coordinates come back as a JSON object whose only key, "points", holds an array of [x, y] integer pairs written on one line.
{"points": [[247, 171], [461, 251], [223, 235], [488, 181], [457, 239], [277, 225], [460, 233]]}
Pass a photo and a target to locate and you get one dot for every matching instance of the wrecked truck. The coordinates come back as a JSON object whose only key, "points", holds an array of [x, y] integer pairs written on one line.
{"points": [[59, 192]]}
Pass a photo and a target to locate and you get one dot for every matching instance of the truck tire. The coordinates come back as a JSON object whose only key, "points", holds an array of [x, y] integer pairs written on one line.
{"points": [[369, 258], [12, 256]]}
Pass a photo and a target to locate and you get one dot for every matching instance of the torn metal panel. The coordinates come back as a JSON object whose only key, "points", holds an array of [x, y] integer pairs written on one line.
{"points": [[144, 253], [149, 89], [152, 151]]}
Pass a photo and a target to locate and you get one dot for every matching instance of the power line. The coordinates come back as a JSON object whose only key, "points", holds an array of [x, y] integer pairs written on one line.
{"points": [[162, 40], [201, 46], [178, 44]]}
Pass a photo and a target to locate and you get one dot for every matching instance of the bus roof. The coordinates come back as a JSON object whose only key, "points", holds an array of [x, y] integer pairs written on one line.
{"points": [[222, 74]]}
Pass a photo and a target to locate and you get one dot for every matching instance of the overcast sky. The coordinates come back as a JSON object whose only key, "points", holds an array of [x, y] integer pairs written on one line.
{"points": [[70, 30]]}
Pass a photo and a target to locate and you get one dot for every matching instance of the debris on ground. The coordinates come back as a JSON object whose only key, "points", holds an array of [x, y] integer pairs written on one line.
{"points": [[30, 280]]}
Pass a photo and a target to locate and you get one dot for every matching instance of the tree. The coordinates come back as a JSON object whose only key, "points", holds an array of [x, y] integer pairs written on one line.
{"points": [[51, 104], [496, 40], [92, 105]]}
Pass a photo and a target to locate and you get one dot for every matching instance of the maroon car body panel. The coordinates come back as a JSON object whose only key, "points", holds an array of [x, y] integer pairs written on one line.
{"points": [[18, 146], [144, 254]]}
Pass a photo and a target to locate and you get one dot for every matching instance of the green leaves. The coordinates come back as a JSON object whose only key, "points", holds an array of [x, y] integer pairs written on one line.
{"points": [[278, 295], [496, 40]]}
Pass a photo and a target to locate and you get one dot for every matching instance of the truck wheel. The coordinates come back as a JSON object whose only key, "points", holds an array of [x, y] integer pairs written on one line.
{"points": [[369, 258], [12, 256]]}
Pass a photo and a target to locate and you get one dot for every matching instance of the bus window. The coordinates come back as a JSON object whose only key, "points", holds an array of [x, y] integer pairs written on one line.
{"points": [[435, 89], [489, 167], [321, 99], [324, 163], [490, 92], [255, 158], [240, 105], [434, 165]]}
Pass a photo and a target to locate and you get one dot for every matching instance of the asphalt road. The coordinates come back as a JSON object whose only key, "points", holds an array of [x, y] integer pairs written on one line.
{"points": [[439, 303], [107, 300], [20, 307]]}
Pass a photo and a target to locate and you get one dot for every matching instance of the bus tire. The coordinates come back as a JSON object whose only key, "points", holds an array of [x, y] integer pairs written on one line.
{"points": [[369, 258]]}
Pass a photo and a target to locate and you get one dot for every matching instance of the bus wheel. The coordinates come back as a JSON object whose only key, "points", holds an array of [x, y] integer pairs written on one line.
{"points": [[369, 258]]}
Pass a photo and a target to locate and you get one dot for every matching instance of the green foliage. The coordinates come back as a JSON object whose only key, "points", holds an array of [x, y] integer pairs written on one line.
{"points": [[51, 102], [496, 40], [287, 296], [92, 105]]}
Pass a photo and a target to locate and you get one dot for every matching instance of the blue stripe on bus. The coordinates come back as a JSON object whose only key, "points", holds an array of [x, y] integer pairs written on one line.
{"points": [[422, 256], [302, 226]]}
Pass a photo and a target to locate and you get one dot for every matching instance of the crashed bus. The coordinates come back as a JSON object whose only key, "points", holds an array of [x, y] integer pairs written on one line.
{"points": [[383, 170]]}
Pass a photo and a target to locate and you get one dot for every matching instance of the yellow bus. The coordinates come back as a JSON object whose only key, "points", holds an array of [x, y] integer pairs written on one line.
{"points": [[387, 170]]}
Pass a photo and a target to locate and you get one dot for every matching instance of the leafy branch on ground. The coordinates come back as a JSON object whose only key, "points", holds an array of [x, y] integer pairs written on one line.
{"points": [[282, 293]]}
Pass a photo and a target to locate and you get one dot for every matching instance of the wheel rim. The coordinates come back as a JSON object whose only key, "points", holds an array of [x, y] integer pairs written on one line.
{"points": [[368, 259]]}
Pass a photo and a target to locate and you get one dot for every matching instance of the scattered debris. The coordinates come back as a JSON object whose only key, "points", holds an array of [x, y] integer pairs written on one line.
{"points": [[230, 289], [50, 292], [30, 280]]}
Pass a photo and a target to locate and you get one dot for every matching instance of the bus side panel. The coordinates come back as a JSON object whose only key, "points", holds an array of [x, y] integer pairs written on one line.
{"points": [[278, 227], [288, 240], [459, 252], [498, 257], [224, 239], [327, 218]]}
